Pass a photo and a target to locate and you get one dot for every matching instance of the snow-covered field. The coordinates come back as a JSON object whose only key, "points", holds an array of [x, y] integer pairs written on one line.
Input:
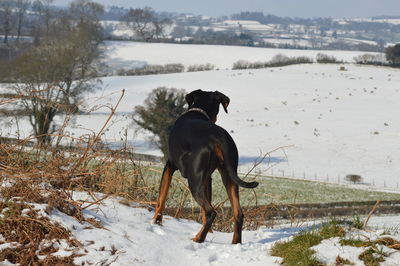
{"points": [[135, 54], [337, 122]]}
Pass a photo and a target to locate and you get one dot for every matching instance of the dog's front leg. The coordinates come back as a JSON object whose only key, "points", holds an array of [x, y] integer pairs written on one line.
{"points": [[162, 196]]}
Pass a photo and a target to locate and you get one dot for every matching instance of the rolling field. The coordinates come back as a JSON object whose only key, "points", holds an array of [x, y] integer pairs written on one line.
{"points": [[332, 122]]}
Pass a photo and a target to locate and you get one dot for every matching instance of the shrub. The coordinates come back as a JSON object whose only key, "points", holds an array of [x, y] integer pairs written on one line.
{"points": [[201, 67], [277, 61], [152, 70], [241, 64], [353, 178], [393, 54], [370, 59], [327, 59], [159, 112]]}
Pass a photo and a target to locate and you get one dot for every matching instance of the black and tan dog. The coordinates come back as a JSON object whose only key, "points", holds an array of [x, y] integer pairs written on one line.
{"points": [[197, 147]]}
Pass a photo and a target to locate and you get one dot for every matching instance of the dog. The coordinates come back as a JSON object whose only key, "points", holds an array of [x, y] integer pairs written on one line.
{"points": [[197, 147]]}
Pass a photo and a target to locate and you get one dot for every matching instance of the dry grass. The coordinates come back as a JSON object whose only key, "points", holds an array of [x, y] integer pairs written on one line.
{"points": [[49, 175], [21, 224]]}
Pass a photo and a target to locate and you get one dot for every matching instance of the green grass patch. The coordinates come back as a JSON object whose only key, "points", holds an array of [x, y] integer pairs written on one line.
{"points": [[297, 252], [352, 242]]}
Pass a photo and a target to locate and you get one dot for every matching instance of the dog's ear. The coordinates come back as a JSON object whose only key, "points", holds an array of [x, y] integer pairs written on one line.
{"points": [[191, 97], [223, 99]]}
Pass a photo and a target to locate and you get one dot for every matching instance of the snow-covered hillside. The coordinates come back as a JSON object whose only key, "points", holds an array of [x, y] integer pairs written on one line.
{"points": [[135, 54], [126, 237], [339, 122]]}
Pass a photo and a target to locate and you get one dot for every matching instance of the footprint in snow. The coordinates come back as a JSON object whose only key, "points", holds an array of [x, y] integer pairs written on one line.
{"points": [[213, 257], [155, 229], [190, 247]]}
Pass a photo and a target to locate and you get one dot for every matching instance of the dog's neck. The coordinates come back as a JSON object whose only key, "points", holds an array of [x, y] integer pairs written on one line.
{"points": [[194, 109]]}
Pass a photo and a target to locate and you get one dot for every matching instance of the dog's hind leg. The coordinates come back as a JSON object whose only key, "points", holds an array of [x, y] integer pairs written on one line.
{"points": [[233, 193], [208, 187], [162, 196], [202, 196]]}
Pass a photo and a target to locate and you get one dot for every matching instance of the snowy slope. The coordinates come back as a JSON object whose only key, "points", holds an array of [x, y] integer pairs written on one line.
{"points": [[127, 229], [340, 122], [128, 238], [135, 54]]}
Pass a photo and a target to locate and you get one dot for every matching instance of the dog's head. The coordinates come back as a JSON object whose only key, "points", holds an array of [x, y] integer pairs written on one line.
{"points": [[208, 101]]}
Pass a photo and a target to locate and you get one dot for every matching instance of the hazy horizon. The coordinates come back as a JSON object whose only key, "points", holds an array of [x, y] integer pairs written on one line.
{"points": [[287, 8]]}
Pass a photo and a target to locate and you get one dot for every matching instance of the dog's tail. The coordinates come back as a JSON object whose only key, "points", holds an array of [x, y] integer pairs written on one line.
{"points": [[230, 163], [242, 183]]}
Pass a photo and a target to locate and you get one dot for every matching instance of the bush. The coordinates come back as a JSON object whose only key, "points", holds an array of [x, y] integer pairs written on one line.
{"points": [[393, 54], [159, 112], [353, 178], [277, 61], [201, 67], [241, 64], [152, 70], [327, 59], [370, 59]]}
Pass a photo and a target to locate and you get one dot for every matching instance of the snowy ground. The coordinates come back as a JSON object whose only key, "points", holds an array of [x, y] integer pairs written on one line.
{"points": [[135, 54], [129, 238]]}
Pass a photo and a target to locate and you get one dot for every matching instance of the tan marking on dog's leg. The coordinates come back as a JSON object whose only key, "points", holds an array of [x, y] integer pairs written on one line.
{"points": [[164, 187], [232, 190], [218, 152]]}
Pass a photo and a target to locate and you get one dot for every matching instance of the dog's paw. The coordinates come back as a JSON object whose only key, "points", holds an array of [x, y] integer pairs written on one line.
{"points": [[197, 239], [157, 222], [157, 219]]}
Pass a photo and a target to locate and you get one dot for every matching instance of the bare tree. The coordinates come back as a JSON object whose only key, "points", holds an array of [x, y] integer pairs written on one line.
{"points": [[160, 27], [85, 11], [44, 16], [52, 76], [21, 8], [6, 18], [179, 32], [140, 21], [144, 23]]}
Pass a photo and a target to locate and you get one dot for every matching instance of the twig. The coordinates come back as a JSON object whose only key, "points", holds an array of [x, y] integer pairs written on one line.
{"points": [[256, 163], [96, 138], [370, 213]]}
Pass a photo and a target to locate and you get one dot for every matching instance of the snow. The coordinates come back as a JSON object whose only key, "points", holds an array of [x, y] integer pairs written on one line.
{"points": [[329, 249], [135, 54], [347, 121], [129, 237]]}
